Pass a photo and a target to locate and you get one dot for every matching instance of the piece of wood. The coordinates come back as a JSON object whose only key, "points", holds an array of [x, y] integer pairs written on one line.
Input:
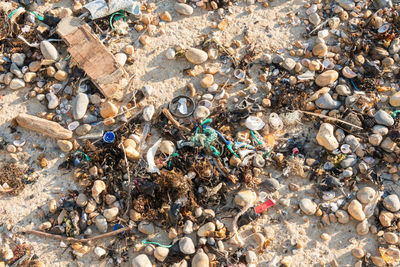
{"points": [[331, 118], [174, 121], [43, 126], [92, 56]]}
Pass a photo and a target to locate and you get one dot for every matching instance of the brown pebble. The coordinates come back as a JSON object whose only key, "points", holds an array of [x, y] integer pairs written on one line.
{"points": [[358, 252]]}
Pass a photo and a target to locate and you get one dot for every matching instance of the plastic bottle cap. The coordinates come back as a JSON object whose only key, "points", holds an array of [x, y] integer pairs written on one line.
{"points": [[109, 137]]}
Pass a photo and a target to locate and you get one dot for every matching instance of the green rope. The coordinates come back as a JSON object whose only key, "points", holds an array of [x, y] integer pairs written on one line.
{"points": [[144, 241], [170, 161], [258, 141], [395, 113], [122, 15], [86, 156], [38, 16], [16, 10]]}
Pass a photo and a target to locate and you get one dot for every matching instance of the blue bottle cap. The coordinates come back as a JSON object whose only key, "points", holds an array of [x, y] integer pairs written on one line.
{"points": [[109, 137]]}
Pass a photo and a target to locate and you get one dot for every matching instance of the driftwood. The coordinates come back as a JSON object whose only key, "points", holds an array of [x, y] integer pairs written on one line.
{"points": [[173, 121]]}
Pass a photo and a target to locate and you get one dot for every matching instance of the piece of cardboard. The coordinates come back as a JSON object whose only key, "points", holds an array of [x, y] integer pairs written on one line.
{"points": [[92, 56]]}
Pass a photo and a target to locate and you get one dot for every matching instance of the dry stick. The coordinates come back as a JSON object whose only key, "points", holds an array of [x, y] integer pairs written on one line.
{"points": [[71, 239], [129, 181], [330, 118], [173, 121], [320, 25]]}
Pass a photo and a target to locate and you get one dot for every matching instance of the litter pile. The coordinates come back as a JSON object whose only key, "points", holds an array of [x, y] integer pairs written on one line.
{"points": [[181, 180]]}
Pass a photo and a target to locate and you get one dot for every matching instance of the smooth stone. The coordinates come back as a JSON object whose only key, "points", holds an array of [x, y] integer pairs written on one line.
{"points": [[347, 173], [108, 110], [308, 206], [394, 46], [383, 118], [378, 261], [95, 99], [196, 56], [83, 129], [147, 90], [355, 210], [349, 161], [386, 218], [392, 203], [380, 129], [366, 194], [18, 58], [206, 229], [340, 135], [326, 102], [141, 261], [342, 89], [101, 223], [16, 84], [326, 138], [289, 64], [186, 245], [80, 105], [65, 145], [29, 76], [395, 99], [34, 66], [99, 252], [81, 200], [201, 112], [200, 259], [379, 53], [146, 227], [207, 81], [342, 216], [48, 50], [352, 141], [161, 253], [184, 9], [98, 187], [170, 54], [15, 70], [167, 147], [358, 252], [314, 19], [271, 184], [61, 75], [320, 50], [245, 197], [391, 238], [375, 139], [277, 59], [188, 227], [362, 228], [53, 101], [121, 58], [327, 78], [346, 4], [110, 214], [388, 145]]}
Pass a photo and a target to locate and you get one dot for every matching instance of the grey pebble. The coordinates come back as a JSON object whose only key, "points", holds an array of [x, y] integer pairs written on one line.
{"points": [[382, 117], [326, 102], [80, 105]]}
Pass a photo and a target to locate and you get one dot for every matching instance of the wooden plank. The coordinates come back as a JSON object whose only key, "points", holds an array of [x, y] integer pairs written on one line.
{"points": [[92, 56]]}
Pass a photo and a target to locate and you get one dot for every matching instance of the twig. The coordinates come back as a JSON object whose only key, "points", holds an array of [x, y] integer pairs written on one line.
{"points": [[330, 118], [173, 121], [72, 239], [231, 177], [319, 26], [129, 181]]}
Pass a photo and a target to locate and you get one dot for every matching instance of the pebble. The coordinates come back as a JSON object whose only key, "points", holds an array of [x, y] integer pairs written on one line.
{"points": [[184, 9], [394, 46], [395, 99], [147, 90], [342, 216], [362, 228], [196, 56], [108, 110], [61, 75], [188, 227], [34, 66], [45, 226], [314, 19], [11, 148], [388, 145], [352, 141], [380, 129], [327, 78], [245, 197], [18, 59], [48, 50], [81, 200], [80, 105], [101, 223], [146, 227], [29, 76], [121, 58], [98, 187], [212, 53], [141, 261], [166, 16], [378, 261], [308, 206], [52, 205], [16, 84], [83, 129], [326, 138], [170, 54], [186, 245], [99, 252], [326, 101], [271, 184], [200, 259], [207, 81], [7, 254], [53, 101], [251, 257], [320, 50], [392, 203], [201, 112], [289, 64], [343, 89], [129, 50], [355, 209], [161, 253], [383, 118], [386, 218], [358, 252], [391, 238], [366, 194], [375, 139], [206, 229], [110, 214]]}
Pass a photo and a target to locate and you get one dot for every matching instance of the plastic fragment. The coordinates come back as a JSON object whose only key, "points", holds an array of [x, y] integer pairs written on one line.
{"points": [[151, 153]]}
